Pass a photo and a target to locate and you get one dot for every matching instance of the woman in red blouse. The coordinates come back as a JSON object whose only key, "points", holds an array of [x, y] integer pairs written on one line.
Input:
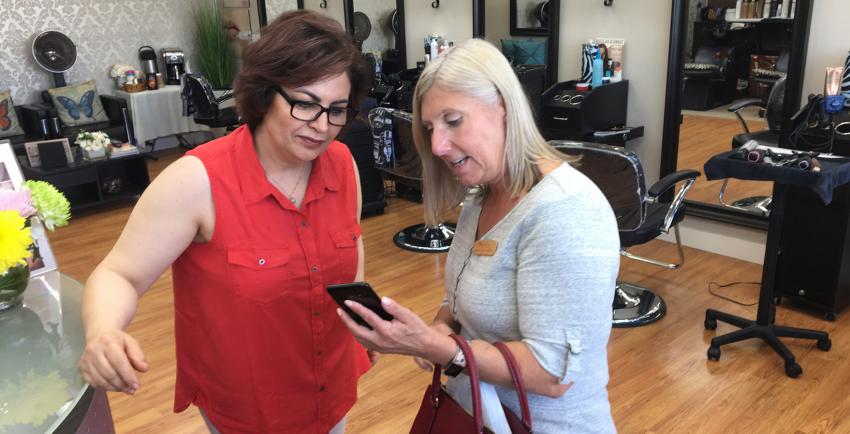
{"points": [[255, 225]]}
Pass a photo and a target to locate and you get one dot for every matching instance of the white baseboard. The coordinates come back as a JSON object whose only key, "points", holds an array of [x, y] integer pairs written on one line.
{"points": [[735, 241]]}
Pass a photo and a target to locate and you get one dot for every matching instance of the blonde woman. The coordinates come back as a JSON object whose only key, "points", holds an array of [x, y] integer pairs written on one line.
{"points": [[535, 256]]}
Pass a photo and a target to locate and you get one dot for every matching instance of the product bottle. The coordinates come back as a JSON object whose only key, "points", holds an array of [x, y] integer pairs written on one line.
{"points": [[596, 76]]}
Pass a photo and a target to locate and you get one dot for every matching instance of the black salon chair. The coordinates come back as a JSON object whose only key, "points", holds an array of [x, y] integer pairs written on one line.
{"points": [[642, 215], [771, 111], [397, 159], [709, 81], [200, 102], [767, 78]]}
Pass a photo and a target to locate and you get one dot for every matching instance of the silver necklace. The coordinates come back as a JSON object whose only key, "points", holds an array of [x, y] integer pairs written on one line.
{"points": [[457, 283], [291, 196]]}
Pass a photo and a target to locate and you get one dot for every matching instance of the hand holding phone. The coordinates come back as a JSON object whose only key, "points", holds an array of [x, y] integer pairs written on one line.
{"points": [[362, 293]]}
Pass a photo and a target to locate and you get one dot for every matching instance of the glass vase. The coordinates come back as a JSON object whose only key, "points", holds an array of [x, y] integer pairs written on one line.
{"points": [[13, 283]]}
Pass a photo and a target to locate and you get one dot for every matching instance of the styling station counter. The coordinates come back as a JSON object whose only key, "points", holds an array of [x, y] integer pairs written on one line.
{"points": [[40, 344]]}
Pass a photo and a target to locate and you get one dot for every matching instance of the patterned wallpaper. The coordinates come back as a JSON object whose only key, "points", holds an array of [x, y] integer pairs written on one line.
{"points": [[105, 32]]}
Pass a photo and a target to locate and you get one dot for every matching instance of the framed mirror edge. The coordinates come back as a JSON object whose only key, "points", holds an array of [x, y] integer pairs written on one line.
{"points": [[722, 214], [673, 105], [348, 11], [517, 31], [261, 11]]}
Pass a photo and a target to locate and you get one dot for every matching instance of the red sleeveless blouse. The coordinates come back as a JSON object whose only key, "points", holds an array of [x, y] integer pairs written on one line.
{"points": [[259, 344]]}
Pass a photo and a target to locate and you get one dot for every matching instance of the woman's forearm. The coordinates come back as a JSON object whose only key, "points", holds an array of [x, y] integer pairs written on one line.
{"points": [[444, 322], [109, 302], [492, 368]]}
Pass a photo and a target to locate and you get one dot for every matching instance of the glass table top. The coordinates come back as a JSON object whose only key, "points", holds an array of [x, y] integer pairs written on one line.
{"points": [[40, 345]]}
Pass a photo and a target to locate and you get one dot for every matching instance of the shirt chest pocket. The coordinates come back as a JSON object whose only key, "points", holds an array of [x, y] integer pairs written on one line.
{"points": [[342, 258], [260, 274]]}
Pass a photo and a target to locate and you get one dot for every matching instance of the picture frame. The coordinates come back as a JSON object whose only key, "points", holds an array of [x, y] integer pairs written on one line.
{"points": [[42, 260], [12, 178], [32, 151]]}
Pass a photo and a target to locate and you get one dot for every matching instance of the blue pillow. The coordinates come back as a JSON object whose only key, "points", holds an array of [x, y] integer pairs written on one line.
{"points": [[529, 52], [508, 49]]}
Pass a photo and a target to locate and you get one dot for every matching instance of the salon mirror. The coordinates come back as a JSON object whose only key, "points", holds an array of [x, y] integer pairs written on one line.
{"points": [[529, 17], [720, 61], [499, 23], [372, 25]]}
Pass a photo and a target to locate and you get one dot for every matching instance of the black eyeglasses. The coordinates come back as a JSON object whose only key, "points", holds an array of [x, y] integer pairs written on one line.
{"points": [[309, 111]]}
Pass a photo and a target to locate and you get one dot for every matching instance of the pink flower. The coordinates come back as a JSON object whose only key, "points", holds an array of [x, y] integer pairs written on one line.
{"points": [[20, 201]]}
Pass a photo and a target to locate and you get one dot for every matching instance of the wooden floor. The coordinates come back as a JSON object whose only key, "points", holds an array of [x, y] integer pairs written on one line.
{"points": [[700, 138], [661, 381]]}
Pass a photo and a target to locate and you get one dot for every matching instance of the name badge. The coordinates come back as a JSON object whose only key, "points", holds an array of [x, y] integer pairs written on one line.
{"points": [[485, 247]]}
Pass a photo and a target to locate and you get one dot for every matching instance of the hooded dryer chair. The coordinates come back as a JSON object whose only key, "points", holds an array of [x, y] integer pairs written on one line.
{"points": [[642, 215], [396, 157]]}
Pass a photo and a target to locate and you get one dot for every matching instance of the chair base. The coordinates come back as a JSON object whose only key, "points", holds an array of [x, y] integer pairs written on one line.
{"points": [[770, 333], [759, 205], [423, 238], [636, 306]]}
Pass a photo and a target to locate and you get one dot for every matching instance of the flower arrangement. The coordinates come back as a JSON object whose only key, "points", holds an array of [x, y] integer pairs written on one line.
{"points": [[94, 144], [120, 70], [37, 199]]}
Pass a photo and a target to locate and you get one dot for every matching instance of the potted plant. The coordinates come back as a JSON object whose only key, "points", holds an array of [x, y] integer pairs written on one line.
{"points": [[93, 144], [215, 56]]}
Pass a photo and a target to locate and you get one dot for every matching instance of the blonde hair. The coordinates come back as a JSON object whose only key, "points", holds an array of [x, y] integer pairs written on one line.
{"points": [[479, 70]]}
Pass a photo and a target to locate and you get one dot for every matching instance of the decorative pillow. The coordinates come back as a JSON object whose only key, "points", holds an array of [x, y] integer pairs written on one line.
{"points": [[78, 105], [509, 49], [9, 125], [525, 51]]}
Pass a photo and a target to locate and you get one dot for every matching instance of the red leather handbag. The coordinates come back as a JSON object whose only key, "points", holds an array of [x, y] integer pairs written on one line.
{"points": [[441, 414]]}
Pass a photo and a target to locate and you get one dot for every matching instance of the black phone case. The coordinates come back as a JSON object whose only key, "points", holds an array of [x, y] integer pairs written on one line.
{"points": [[362, 293]]}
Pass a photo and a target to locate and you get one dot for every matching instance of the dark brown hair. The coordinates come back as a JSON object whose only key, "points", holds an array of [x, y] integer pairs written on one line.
{"points": [[297, 48]]}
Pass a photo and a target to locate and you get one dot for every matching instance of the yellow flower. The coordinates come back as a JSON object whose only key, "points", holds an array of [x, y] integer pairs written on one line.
{"points": [[15, 240]]}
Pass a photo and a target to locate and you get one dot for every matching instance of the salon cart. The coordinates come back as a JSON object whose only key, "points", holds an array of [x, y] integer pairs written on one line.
{"points": [[783, 241]]}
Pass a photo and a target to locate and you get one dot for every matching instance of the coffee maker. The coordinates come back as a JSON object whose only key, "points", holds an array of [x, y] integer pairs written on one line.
{"points": [[175, 64]]}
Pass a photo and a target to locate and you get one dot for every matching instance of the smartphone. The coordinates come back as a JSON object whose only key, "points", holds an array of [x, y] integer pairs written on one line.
{"points": [[362, 293]]}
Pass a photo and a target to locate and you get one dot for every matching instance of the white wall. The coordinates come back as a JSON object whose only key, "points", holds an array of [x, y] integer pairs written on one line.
{"points": [[335, 9], [645, 25], [828, 42], [497, 25], [452, 20], [734, 241]]}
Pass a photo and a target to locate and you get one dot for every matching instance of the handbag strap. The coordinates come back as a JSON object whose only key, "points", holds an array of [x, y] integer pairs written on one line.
{"points": [[518, 385], [474, 382]]}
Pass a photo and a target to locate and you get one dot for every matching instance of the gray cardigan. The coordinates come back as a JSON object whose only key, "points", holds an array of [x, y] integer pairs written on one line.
{"points": [[549, 284]]}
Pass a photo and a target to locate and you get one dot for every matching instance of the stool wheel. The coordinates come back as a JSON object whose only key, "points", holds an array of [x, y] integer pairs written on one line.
{"points": [[824, 344], [713, 353], [792, 369], [710, 324]]}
